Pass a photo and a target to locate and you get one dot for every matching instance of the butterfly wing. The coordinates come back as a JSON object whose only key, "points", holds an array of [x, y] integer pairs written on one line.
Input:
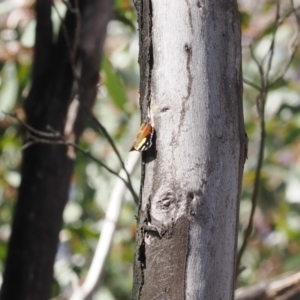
{"points": [[143, 140]]}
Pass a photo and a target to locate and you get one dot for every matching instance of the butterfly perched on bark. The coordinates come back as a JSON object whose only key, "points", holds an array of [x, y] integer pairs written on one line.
{"points": [[143, 139]]}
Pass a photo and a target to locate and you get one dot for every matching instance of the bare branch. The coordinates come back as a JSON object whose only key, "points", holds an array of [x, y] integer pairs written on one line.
{"points": [[31, 129], [113, 145], [270, 53], [62, 141], [294, 47], [129, 186], [93, 277], [259, 65], [254, 85], [37, 136], [261, 102], [287, 14], [254, 196], [283, 287], [69, 6]]}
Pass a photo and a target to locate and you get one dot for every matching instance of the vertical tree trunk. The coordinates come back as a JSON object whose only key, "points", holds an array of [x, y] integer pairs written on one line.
{"points": [[47, 169], [191, 83]]}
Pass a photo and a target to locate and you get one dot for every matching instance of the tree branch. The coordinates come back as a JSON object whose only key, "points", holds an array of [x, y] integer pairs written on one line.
{"points": [[252, 84], [260, 103], [93, 277], [284, 287], [55, 138]]}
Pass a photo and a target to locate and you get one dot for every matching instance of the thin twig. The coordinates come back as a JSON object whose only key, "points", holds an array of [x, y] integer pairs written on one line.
{"points": [[69, 6], [128, 184], [93, 277], [76, 11], [254, 85], [72, 53], [294, 47], [37, 136], [287, 14], [256, 182], [31, 129], [271, 50], [261, 102], [37, 140], [113, 145], [295, 12], [285, 68], [260, 69]]}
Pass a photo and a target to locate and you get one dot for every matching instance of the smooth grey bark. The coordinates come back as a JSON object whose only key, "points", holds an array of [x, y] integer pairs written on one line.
{"points": [[191, 90]]}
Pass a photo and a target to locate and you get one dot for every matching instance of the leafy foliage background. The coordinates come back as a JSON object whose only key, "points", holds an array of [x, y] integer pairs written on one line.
{"points": [[274, 245]]}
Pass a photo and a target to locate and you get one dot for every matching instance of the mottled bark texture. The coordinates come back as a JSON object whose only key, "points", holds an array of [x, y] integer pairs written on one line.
{"points": [[46, 169], [191, 90]]}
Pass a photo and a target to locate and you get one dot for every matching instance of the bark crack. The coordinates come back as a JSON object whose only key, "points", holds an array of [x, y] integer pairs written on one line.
{"points": [[190, 15], [189, 52], [151, 58], [146, 61]]}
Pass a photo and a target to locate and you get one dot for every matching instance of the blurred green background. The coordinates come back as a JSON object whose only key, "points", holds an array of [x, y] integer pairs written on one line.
{"points": [[274, 244]]}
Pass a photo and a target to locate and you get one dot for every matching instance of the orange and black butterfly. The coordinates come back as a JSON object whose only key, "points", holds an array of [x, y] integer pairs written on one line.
{"points": [[143, 140]]}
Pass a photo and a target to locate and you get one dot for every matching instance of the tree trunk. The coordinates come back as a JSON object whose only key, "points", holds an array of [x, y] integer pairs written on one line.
{"points": [[191, 89], [47, 169]]}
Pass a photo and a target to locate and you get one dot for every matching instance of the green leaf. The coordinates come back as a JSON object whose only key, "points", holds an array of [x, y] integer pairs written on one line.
{"points": [[114, 85], [245, 18], [124, 12]]}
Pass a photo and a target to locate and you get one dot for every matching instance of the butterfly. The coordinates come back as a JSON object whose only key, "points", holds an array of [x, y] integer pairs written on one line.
{"points": [[143, 139]]}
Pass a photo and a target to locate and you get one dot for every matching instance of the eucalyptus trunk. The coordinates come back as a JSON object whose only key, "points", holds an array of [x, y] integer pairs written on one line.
{"points": [[191, 93], [47, 168]]}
